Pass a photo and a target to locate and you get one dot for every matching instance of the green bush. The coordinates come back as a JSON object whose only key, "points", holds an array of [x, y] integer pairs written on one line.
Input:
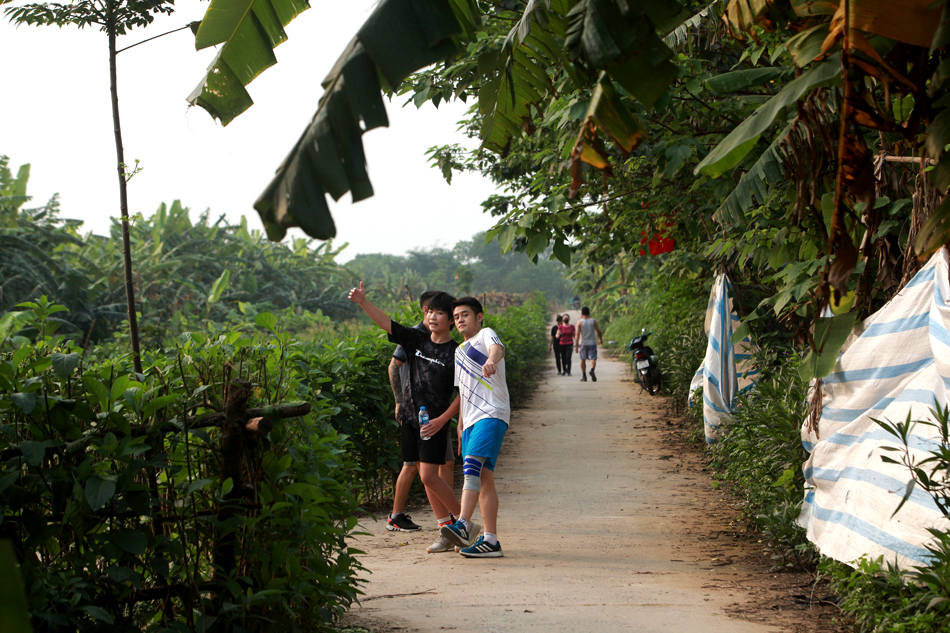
{"points": [[674, 310], [761, 453], [881, 600], [113, 485], [112, 491], [523, 330]]}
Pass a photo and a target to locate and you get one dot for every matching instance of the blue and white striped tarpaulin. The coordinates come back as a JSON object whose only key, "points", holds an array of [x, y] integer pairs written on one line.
{"points": [[719, 376], [899, 364]]}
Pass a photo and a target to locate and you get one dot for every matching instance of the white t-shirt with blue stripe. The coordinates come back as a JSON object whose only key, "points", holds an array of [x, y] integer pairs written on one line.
{"points": [[481, 397]]}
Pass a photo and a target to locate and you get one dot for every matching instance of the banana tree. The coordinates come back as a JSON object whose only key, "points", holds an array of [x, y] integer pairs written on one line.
{"points": [[884, 58]]}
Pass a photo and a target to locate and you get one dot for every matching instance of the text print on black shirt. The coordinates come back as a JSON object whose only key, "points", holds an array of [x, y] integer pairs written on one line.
{"points": [[431, 371]]}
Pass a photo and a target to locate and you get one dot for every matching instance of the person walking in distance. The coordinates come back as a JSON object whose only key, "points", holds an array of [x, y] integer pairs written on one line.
{"points": [[566, 339], [586, 343], [431, 359], [483, 421], [398, 521], [555, 344]]}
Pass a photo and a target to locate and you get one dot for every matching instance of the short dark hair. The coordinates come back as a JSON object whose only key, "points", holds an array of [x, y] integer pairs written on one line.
{"points": [[471, 302], [426, 297], [442, 301], [560, 318], [585, 311]]}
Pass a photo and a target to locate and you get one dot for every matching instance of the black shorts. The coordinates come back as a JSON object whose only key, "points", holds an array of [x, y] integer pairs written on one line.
{"points": [[437, 450]]}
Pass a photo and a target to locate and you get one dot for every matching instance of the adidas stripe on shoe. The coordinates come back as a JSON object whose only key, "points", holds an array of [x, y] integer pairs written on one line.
{"points": [[402, 523], [482, 549]]}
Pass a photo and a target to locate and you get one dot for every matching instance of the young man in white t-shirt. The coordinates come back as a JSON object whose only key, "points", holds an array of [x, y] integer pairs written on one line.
{"points": [[483, 420]]}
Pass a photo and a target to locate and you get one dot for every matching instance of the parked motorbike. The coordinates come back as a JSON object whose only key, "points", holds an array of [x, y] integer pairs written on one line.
{"points": [[646, 363]]}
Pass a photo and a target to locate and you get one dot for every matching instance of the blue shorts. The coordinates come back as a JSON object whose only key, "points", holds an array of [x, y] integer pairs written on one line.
{"points": [[483, 439]]}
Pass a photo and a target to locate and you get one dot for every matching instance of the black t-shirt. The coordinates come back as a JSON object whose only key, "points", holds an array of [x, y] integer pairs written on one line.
{"points": [[399, 353], [553, 331], [431, 371]]}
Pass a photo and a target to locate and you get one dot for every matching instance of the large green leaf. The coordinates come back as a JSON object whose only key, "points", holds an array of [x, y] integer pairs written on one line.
{"points": [[99, 490], [64, 364], [14, 609], [830, 335], [935, 232], [516, 77], [754, 185], [806, 46], [249, 30], [399, 37], [740, 141], [219, 287], [746, 78], [621, 38], [607, 111]]}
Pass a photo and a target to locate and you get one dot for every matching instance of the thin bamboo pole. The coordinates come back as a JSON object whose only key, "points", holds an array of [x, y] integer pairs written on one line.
{"points": [[123, 203]]}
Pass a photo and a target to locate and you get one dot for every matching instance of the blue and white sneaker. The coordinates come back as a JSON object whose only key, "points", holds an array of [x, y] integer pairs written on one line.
{"points": [[459, 534], [483, 549]]}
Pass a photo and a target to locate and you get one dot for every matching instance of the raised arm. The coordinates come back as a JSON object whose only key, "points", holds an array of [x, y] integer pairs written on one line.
{"points": [[380, 318], [495, 353]]}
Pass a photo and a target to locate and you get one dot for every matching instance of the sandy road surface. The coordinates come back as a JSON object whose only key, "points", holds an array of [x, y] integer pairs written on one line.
{"points": [[598, 523]]}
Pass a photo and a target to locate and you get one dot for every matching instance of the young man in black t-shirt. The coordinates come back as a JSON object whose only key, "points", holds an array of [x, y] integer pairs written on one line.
{"points": [[431, 359], [398, 521]]}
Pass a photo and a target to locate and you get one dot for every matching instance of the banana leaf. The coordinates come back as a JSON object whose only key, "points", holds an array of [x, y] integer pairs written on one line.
{"points": [[742, 79], [754, 185], [740, 141], [398, 38], [621, 38], [249, 31], [517, 76]]}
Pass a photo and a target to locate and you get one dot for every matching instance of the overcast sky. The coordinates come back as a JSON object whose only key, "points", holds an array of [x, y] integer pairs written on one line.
{"points": [[55, 115]]}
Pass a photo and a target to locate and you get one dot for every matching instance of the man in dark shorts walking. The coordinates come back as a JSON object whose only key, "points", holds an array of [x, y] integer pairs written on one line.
{"points": [[431, 360], [398, 521], [586, 343]]}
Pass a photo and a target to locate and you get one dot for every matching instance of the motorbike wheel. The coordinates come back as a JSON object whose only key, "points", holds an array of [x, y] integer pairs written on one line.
{"points": [[646, 381], [657, 384]]}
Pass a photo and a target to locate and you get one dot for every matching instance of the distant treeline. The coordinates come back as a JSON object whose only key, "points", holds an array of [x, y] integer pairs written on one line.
{"points": [[471, 267]]}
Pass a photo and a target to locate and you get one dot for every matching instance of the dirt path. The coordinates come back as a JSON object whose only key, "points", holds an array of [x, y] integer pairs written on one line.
{"points": [[602, 527]]}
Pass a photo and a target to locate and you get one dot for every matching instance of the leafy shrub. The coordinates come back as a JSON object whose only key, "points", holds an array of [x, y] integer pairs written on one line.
{"points": [[112, 490], [881, 599], [761, 453], [349, 378], [674, 310], [523, 330], [918, 599]]}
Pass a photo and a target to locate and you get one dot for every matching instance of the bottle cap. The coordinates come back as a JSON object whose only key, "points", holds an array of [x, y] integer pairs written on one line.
{"points": [[422, 409]]}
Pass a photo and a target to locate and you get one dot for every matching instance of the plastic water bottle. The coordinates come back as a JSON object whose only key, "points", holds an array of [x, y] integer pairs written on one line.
{"points": [[423, 420]]}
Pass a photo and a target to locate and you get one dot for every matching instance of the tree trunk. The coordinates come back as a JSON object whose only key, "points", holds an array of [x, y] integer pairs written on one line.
{"points": [[123, 206]]}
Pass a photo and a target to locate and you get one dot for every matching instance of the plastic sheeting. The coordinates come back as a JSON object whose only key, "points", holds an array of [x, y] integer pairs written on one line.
{"points": [[898, 365], [719, 376]]}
